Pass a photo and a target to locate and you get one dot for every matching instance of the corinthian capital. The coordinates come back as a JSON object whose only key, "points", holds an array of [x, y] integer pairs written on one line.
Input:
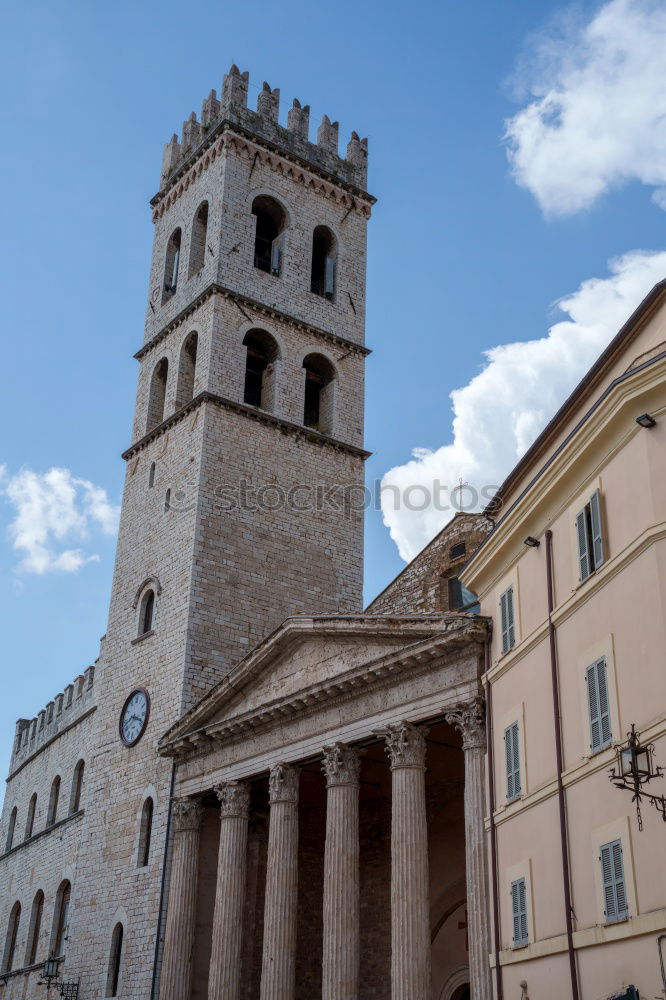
{"points": [[186, 814], [405, 744], [283, 783], [234, 799], [341, 765], [470, 721]]}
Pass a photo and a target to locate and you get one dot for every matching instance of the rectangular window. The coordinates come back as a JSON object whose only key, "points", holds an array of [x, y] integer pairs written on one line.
{"points": [[597, 700], [612, 877], [507, 620], [460, 598], [512, 753], [589, 536], [519, 913]]}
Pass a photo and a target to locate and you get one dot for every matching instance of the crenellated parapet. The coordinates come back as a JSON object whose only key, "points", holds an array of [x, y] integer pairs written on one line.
{"points": [[231, 109], [58, 714]]}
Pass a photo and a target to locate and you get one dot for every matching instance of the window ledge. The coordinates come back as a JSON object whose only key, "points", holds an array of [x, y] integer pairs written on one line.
{"points": [[520, 946], [618, 920], [144, 635]]}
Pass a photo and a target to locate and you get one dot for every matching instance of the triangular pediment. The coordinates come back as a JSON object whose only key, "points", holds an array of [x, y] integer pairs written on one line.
{"points": [[301, 655]]}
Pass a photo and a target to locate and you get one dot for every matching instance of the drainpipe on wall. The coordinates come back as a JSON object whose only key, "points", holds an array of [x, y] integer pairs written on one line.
{"points": [[499, 987], [566, 872], [161, 913]]}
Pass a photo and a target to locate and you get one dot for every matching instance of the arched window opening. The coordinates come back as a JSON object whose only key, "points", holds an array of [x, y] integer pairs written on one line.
{"points": [[147, 610], [167, 500], [115, 961], [322, 275], [171, 265], [35, 928], [269, 234], [186, 370], [145, 833], [61, 919], [53, 801], [262, 352], [157, 395], [151, 476], [11, 828], [77, 787], [30, 819], [198, 241], [10, 940], [319, 388]]}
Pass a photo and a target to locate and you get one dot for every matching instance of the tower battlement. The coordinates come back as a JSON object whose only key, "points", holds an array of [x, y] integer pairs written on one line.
{"points": [[231, 108], [60, 712]]}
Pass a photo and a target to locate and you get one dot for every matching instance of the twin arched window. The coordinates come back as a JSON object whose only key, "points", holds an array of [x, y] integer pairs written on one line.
{"points": [[52, 813], [184, 386]]}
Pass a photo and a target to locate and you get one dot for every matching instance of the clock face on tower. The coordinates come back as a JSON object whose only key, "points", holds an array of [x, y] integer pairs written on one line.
{"points": [[134, 717]]}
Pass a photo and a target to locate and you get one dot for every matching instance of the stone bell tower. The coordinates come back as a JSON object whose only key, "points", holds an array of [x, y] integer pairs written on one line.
{"points": [[243, 495]]}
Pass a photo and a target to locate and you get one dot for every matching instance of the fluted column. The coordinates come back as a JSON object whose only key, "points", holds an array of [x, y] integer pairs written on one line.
{"points": [[278, 966], [470, 721], [410, 911], [176, 976], [225, 961], [341, 956]]}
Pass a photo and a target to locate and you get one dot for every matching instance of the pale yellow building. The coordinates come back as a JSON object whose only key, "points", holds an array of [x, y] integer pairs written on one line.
{"points": [[574, 577]]}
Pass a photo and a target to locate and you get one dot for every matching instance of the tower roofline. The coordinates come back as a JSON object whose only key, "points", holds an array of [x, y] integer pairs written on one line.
{"points": [[262, 126]]}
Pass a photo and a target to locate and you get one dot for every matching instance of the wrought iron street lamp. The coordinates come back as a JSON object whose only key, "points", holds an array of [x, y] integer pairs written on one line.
{"points": [[634, 767], [50, 977]]}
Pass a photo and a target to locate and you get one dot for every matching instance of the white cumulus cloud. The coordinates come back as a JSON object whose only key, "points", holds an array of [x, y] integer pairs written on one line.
{"points": [[502, 410], [596, 112], [51, 511]]}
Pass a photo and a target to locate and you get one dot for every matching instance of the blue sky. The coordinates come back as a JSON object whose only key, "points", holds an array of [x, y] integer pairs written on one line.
{"points": [[466, 251]]}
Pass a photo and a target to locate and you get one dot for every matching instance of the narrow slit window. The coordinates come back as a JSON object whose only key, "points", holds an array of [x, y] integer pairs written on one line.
{"points": [[145, 833], [54, 797], [198, 242], [147, 612], [151, 476], [115, 961], [9, 843], [77, 787], [35, 928], [30, 819], [61, 919], [10, 940], [187, 370], [157, 394]]}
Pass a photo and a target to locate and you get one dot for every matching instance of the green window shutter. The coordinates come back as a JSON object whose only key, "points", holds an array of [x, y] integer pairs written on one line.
{"points": [[519, 912], [584, 563], [612, 877], [512, 753], [596, 530], [507, 620]]}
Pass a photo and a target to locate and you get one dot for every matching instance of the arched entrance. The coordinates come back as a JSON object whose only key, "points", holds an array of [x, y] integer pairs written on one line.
{"points": [[457, 986]]}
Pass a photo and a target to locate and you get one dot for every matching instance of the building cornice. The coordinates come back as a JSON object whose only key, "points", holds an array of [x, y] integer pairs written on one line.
{"points": [[47, 743], [415, 657], [349, 346], [491, 560], [227, 133], [252, 413]]}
